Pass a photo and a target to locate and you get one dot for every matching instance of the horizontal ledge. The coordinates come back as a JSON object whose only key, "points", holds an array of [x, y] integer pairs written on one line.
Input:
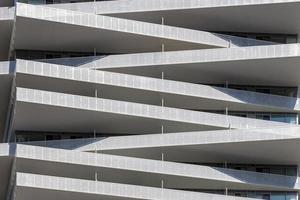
{"points": [[122, 108], [196, 56], [188, 139], [80, 187], [132, 6]]}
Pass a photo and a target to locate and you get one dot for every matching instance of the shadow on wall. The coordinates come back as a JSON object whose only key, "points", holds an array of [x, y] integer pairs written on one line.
{"points": [[236, 41], [72, 62], [250, 97], [261, 178]]}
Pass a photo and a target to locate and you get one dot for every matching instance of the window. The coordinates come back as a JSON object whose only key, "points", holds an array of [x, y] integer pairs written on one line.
{"points": [[264, 90], [263, 170], [37, 2], [263, 116], [277, 197], [53, 137]]}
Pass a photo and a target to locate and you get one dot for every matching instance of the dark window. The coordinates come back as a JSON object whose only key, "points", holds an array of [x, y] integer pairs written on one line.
{"points": [[53, 137]]}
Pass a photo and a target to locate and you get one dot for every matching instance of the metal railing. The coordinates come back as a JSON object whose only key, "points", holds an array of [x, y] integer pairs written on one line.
{"points": [[120, 25], [141, 110], [7, 13]]}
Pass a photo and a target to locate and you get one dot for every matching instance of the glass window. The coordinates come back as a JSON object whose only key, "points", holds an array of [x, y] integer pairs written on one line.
{"points": [[279, 118], [278, 197], [263, 170], [287, 118], [265, 196], [278, 170], [263, 90], [36, 1], [263, 116], [291, 171], [291, 197]]}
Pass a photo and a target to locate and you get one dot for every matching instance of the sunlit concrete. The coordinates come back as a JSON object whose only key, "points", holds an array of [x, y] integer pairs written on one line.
{"points": [[260, 16], [119, 169], [274, 146], [6, 13], [38, 110], [139, 89], [32, 186], [146, 98], [191, 139], [57, 162], [83, 32], [244, 65]]}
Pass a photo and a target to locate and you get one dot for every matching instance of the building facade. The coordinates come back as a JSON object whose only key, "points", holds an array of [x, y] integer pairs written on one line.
{"points": [[149, 99]]}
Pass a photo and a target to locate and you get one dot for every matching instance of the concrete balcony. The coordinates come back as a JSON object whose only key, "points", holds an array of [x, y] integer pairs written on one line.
{"points": [[6, 68], [143, 172], [53, 111], [146, 93], [92, 7], [7, 13], [258, 146], [47, 187], [244, 65], [117, 86], [83, 32], [236, 16]]}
